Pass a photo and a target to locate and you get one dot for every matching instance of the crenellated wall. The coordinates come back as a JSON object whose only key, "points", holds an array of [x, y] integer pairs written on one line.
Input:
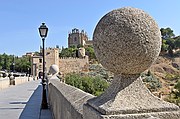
{"points": [[66, 102], [67, 65]]}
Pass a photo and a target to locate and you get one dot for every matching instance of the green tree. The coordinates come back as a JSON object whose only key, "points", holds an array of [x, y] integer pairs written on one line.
{"points": [[164, 46], [168, 41], [90, 52], [79, 46], [68, 52], [171, 46], [167, 33], [37, 53], [21, 64], [1, 61], [93, 85], [5, 61], [177, 42]]}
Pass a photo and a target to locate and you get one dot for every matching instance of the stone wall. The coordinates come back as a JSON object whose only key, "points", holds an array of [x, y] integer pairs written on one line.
{"points": [[66, 102], [4, 82], [67, 65], [20, 80]]}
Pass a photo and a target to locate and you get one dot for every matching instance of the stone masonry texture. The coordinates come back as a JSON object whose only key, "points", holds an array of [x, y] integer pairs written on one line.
{"points": [[127, 41]]}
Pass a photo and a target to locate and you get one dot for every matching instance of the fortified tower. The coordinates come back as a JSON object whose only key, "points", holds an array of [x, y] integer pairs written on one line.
{"points": [[52, 57], [76, 38]]}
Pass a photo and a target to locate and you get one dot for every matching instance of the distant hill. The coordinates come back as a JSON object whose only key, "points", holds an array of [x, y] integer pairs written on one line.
{"points": [[167, 70]]}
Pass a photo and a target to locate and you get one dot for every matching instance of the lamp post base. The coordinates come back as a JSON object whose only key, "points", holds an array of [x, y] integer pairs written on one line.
{"points": [[44, 104]]}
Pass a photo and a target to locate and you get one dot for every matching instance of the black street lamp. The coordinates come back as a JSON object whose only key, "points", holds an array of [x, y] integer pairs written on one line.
{"points": [[43, 30]]}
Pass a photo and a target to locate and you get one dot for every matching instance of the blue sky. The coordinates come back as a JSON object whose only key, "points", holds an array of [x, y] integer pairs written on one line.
{"points": [[20, 19]]}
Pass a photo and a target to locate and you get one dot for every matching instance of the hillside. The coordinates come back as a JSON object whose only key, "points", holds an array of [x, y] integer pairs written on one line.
{"points": [[167, 70], [160, 78]]}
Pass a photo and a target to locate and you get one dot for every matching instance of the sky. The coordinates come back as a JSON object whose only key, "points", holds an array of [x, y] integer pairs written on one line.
{"points": [[20, 20]]}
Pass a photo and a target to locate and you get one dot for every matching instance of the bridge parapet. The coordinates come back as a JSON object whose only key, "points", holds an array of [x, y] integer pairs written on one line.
{"points": [[5, 82], [66, 101]]}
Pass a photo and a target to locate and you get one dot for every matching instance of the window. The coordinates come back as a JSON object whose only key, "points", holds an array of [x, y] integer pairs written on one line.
{"points": [[75, 39], [40, 60], [47, 53]]}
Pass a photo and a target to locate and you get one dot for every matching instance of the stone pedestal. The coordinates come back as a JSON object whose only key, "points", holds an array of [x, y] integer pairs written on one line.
{"points": [[128, 98], [91, 113]]}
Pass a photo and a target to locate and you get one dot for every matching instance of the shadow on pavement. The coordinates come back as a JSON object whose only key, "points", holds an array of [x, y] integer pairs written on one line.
{"points": [[18, 103], [32, 108], [10, 108]]}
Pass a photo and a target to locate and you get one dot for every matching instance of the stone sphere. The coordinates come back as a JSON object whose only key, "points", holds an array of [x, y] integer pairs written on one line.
{"points": [[53, 69], [127, 41]]}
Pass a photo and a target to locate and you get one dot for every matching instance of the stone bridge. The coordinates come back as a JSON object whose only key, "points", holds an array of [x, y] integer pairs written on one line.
{"points": [[126, 42]]}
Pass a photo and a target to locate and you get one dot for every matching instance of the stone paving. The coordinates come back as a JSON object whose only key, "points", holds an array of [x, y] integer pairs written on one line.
{"points": [[23, 102]]}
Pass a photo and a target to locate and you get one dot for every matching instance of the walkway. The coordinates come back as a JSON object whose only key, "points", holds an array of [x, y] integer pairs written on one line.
{"points": [[23, 102]]}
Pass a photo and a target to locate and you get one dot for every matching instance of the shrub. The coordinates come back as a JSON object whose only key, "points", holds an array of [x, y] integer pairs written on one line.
{"points": [[174, 96], [172, 99], [93, 85], [177, 87], [172, 76], [151, 81]]}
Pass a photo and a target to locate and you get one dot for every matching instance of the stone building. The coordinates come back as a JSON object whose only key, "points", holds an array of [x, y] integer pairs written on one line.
{"points": [[36, 65], [77, 38], [30, 54], [66, 65], [51, 57]]}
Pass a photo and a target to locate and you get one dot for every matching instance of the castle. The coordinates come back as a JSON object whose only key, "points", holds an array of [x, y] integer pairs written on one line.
{"points": [[77, 38], [66, 65]]}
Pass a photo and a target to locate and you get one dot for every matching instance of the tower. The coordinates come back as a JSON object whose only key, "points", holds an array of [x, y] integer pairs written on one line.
{"points": [[77, 38], [52, 57]]}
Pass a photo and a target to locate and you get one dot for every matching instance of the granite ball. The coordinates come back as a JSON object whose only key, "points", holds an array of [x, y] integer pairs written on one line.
{"points": [[127, 41], [53, 69]]}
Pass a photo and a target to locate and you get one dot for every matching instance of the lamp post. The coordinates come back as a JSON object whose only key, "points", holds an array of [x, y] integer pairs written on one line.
{"points": [[43, 30]]}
